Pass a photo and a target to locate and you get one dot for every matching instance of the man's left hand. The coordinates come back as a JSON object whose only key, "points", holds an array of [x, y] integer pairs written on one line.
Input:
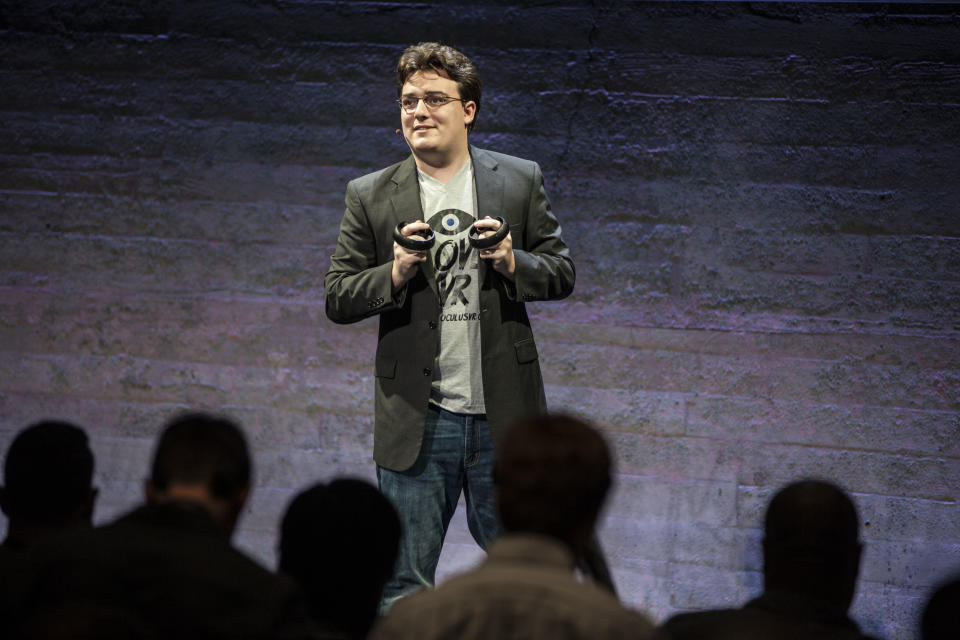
{"points": [[499, 255]]}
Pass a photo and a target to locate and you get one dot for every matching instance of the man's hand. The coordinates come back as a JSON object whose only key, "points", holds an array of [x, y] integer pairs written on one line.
{"points": [[499, 255], [405, 261]]}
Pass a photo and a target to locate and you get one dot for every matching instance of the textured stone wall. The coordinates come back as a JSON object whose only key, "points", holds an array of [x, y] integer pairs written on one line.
{"points": [[762, 201]]}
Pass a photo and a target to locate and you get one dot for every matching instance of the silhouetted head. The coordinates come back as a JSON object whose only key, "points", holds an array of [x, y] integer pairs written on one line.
{"points": [[552, 475], [941, 616], [47, 481], [203, 459], [340, 542], [448, 62], [811, 544]]}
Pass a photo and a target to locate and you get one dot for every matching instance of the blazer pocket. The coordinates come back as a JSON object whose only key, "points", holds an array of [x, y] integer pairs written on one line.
{"points": [[385, 368], [526, 350]]}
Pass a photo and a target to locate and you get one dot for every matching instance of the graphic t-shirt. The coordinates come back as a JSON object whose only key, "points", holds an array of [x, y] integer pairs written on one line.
{"points": [[450, 210]]}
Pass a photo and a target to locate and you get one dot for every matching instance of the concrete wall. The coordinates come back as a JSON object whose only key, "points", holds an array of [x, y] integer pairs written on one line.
{"points": [[762, 201]]}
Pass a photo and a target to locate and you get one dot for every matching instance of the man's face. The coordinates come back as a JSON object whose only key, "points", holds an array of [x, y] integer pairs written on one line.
{"points": [[438, 131]]}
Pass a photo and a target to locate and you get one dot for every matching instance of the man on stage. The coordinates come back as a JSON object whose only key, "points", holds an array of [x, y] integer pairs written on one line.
{"points": [[456, 360]]}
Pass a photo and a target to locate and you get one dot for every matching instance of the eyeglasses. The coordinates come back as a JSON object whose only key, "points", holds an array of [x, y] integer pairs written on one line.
{"points": [[432, 100]]}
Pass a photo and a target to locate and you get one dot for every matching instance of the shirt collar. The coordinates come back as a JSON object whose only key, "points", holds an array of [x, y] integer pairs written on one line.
{"points": [[465, 169]]}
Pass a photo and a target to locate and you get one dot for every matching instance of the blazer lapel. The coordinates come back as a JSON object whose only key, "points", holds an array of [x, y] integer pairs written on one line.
{"points": [[489, 188], [489, 184], [407, 208]]}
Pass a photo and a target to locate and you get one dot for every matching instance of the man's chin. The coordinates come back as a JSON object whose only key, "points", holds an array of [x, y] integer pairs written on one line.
{"points": [[424, 146]]}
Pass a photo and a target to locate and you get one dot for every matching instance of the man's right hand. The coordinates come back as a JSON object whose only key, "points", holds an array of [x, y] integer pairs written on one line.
{"points": [[405, 261]]}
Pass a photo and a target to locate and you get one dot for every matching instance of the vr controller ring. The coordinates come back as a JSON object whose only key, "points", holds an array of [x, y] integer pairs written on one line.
{"points": [[412, 243], [488, 241]]}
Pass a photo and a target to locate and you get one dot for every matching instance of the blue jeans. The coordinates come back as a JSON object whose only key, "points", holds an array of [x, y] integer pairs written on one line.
{"points": [[456, 455]]}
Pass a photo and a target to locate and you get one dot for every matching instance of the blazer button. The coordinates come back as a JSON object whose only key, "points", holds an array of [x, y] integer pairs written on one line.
{"points": [[432, 324], [427, 371]]}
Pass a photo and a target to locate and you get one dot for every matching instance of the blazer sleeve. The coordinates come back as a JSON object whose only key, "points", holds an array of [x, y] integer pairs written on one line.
{"points": [[544, 269], [358, 284]]}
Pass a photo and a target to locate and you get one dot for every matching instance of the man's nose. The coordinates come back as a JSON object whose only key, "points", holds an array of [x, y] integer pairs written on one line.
{"points": [[421, 111]]}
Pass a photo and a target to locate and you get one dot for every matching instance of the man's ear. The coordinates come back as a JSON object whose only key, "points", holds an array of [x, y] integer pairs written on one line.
{"points": [[150, 492], [241, 497], [469, 112], [90, 504]]}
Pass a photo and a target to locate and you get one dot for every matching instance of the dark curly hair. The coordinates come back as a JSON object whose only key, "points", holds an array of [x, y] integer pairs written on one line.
{"points": [[441, 58]]}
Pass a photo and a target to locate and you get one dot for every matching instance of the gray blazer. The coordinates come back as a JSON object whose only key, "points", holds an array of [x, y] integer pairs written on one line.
{"points": [[358, 285]]}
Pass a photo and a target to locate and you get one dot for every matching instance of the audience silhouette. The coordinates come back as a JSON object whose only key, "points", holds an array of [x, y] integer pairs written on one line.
{"points": [[168, 569], [47, 491], [340, 542], [552, 477], [811, 557], [169, 563], [47, 487], [941, 616]]}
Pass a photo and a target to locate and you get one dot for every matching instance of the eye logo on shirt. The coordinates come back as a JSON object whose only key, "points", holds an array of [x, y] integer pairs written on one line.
{"points": [[450, 222]]}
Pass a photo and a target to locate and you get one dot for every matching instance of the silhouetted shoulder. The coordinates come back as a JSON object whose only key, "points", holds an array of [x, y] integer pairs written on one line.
{"points": [[176, 570], [754, 623]]}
